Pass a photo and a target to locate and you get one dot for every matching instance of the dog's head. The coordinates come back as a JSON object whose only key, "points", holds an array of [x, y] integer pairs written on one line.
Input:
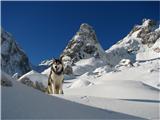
{"points": [[57, 66]]}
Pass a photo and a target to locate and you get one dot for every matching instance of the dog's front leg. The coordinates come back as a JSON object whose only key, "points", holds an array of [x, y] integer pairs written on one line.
{"points": [[56, 89], [50, 87], [61, 88]]}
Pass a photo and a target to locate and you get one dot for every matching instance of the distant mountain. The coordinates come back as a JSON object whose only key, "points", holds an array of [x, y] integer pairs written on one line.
{"points": [[142, 43], [13, 58]]}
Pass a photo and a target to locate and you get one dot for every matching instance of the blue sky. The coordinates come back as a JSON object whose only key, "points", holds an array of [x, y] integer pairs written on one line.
{"points": [[43, 29]]}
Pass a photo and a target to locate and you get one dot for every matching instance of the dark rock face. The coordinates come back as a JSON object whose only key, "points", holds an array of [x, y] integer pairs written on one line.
{"points": [[147, 32], [27, 82], [68, 70], [13, 59]]}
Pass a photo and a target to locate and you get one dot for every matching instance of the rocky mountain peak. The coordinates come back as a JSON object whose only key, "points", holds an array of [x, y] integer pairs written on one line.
{"points": [[86, 28], [83, 45], [13, 59], [148, 23], [148, 32]]}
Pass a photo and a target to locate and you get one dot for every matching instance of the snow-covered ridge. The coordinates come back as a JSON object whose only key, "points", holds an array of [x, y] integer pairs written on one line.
{"points": [[13, 58], [141, 43]]}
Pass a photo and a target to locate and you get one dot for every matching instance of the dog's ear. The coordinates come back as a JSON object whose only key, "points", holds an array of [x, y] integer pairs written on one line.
{"points": [[51, 62], [53, 59]]}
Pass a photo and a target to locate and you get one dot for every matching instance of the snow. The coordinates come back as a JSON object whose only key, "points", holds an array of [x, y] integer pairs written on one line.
{"points": [[119, 89], [46, 71], [146, 22], [87, 65], [136, 33], [129, 94], [153, 83], [147, 110], [125, 49], [22, 102], [149, 53], [80, 83], [134, 94]]}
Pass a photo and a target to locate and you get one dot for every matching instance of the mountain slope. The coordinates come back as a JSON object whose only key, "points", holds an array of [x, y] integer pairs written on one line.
{"points": [[13, 59]]}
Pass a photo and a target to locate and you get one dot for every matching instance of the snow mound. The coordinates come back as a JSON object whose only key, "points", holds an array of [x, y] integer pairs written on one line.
{"points": [[35, 80], [87, 65], [123, 64], [80, 83]]}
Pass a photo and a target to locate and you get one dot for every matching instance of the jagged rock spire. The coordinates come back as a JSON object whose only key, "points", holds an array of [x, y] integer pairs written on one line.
{"points": [[83, 45]]}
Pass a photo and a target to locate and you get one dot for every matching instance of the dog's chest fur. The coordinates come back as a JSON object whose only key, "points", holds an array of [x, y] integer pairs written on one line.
{"points": [[57, 79]]}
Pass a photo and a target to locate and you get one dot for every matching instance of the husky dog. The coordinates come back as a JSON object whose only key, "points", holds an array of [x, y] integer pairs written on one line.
{"points": [[56, 78]]}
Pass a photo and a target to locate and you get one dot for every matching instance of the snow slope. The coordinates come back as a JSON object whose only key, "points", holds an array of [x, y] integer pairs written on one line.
{"points": [[144, 109], [116, 85], [132, 90], [22, 102]]}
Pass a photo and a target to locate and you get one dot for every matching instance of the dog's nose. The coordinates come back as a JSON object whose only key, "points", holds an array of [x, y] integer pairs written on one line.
{"points": [[55, 66]]}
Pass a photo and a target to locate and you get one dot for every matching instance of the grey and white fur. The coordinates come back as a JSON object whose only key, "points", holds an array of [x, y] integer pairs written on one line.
{"points": [[56, 78]]}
